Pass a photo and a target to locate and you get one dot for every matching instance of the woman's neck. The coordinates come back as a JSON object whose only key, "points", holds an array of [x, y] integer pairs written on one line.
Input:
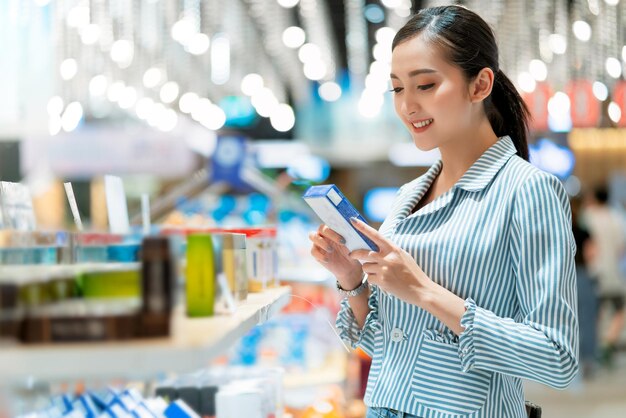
{"points": [[461, 153]]}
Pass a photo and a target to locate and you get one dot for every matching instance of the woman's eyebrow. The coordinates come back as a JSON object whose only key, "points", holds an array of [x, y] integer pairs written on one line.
{"points": [[413, 73]]}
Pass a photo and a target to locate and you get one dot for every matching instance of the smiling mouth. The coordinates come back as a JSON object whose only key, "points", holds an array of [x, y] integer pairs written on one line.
{"points": [[422, 124]]}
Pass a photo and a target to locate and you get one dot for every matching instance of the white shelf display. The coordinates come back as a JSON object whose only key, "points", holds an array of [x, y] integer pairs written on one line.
{"points": [[193, 343]]}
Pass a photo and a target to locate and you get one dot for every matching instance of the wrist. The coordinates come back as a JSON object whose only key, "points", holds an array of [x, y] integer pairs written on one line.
{"points": [[351, 293], [350, 281], [426, 296]]}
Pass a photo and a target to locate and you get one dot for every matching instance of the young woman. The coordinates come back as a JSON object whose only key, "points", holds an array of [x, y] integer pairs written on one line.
{"points": [[473, 286]]}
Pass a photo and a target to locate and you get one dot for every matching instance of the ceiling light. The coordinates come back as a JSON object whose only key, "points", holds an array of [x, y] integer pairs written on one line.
{"points": [[198, 44], [600, 91], [152, 77], [538, 70], [615, 113], [526, 82], [128, 97], [169, 92], [55, 106], [90, 34], [309, 52], [68, 68], [288, 3], [294, 37], [283, 119], [182, 30], [220, 59], [98, 85], [144, 107], [613, 67], [251, 84], [72, 116], [78, 17], [122, 53], [559, 104], [385, 35], [187, 102], [315, 70], [329, 91], [582, 30], [558, 43]]}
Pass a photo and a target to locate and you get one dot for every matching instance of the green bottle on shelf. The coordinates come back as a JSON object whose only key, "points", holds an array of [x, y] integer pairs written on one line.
{"points": [[200, 275]]}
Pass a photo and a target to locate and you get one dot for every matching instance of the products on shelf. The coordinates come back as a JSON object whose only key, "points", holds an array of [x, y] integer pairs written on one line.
{"points": [[158, 281], [200, 275], [69, 303], [111, 403], [219, 392], [229, 392], [261, 254]]}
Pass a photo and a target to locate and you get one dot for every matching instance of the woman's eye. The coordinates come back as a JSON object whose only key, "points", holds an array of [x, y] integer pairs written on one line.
{"points": [[396, 90], [426, 86]]}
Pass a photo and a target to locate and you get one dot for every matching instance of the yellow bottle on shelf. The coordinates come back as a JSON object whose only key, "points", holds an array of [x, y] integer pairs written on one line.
{"points": [[200, 275]]}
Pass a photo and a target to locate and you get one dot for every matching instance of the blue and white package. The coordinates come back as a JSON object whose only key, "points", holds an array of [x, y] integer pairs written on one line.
{"points": [[63, 403], [142, 411], [179, 409], [86, 406], [332, 207]]}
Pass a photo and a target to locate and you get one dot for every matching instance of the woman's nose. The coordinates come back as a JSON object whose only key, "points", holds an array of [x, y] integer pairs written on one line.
{"points": [[410, 106]]}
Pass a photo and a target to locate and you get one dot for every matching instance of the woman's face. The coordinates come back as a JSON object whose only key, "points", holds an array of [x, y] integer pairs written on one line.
{"points": [[431, 96]]}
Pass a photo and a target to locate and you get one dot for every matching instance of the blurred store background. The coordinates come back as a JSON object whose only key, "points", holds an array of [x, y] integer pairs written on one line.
{"points": [[216, 115]]}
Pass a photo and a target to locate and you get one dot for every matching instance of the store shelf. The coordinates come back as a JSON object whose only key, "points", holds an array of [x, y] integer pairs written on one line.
{"points": [[193, 344]]}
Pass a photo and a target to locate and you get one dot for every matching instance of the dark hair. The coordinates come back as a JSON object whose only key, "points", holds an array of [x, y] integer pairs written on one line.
{"points": [[470, 43]]}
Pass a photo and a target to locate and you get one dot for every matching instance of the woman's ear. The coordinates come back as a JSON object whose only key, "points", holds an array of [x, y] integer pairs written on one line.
{"points": [[481, 85]]}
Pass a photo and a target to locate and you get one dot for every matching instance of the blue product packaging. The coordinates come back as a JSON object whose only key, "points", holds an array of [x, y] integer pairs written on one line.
{"points": [[179, 409], [134, 394], [116, 410], [142, 411], [53, 412], [128, 402], [332, 207], [123, 253], [99, 398], [74, 414], [59, 402], [86, 406]]}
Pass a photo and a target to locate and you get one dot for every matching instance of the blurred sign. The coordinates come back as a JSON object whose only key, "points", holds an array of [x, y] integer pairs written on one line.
{"points": [[584, 107], [537, 103], [228, 160], [16, 207], [92, 152], [116, 205], [552, 158]]}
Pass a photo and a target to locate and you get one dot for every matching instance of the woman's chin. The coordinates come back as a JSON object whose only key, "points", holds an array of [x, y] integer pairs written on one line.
{"points": [[423, 144]]}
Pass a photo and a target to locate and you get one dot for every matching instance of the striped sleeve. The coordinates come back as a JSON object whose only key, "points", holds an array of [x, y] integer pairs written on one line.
{"points": [[542, 344], [349, 329]]}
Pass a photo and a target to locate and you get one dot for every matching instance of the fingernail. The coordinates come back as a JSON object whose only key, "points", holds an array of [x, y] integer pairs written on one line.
{"points": [[342, 240], [353, 219], [329, 249], [326, 260]]}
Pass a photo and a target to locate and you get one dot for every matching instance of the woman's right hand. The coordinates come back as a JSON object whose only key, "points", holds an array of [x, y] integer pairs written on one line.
{"points": [[330, 251]]}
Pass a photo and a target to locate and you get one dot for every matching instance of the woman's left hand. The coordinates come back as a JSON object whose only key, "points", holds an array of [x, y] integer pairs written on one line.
{"points": [[391, 268]]}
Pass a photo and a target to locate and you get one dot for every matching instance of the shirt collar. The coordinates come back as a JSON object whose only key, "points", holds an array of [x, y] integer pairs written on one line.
{"points": [[479, 175], [483, 171]]}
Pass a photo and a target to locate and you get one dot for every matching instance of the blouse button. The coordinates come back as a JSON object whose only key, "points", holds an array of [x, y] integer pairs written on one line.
{"points": [[397, 335]]}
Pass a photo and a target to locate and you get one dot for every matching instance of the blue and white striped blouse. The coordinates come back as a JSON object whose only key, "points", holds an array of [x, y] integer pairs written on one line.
{"points": [[500, 239]]}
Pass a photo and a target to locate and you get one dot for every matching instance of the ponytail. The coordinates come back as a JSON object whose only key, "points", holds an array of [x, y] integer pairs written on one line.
{"points": [[508, 114]]}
